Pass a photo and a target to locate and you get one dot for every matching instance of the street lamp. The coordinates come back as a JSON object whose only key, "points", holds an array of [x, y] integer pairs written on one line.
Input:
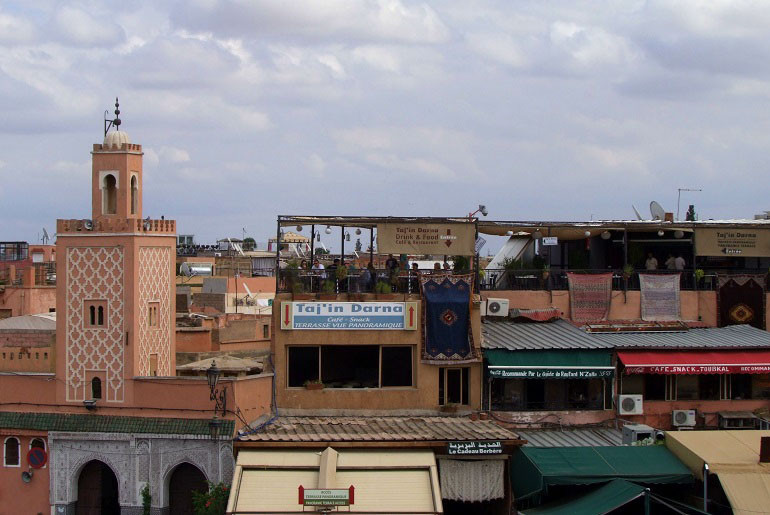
{"points": [[215, 426], [219, 397]]}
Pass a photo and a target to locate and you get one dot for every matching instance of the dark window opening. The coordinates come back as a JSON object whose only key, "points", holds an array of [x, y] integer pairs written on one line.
{"points": [[303, 365], [453, 386], [12, 452], [549, 394], [134, 195], [110, 195], [655, 387], [37, 443], [92, 314], [760, 386], [397, 366], [100, 316], [265, 331], [709, 386], [350, 366], [96, 388], [687, 388]]}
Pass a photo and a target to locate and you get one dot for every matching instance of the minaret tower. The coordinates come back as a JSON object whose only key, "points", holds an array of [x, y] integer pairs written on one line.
{"points": [[115, 283]]}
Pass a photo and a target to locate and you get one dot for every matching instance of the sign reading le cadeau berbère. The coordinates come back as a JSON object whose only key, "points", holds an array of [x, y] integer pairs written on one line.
{"points": [[475, 447], [378, 316]]}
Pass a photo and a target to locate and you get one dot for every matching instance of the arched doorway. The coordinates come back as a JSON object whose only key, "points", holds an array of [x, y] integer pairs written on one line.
{"points": [[97, 490], [184, 480]]}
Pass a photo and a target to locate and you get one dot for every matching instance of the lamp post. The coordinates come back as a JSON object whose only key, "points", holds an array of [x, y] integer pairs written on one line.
{"points": [[218, 396], [482, 209], [215, 426]]}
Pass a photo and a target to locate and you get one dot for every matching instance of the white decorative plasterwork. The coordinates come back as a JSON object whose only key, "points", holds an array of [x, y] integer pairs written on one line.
{"points": [[155, 285], [94, 273]]}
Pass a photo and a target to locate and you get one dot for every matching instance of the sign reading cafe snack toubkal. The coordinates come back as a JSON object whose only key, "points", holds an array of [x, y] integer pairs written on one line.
{"points": [[417, 238], [377, 316]]}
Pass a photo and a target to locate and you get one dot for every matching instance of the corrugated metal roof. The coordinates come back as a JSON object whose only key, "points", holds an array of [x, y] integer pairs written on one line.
{"points": [[730, 337], [572, 437], [506, 334], [378, 429], [41, 322]]}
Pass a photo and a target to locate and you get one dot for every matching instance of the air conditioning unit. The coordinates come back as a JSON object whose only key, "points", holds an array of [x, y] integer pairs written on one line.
{"points": [[683, 417], [636, 432], [630, 405], [497, 308]]}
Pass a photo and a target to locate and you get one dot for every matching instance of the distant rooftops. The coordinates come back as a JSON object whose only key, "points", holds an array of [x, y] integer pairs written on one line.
{"points": [[561, 334]]}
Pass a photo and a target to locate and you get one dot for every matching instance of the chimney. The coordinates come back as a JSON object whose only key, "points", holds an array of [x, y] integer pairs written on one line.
{"points": [[764, 450]]}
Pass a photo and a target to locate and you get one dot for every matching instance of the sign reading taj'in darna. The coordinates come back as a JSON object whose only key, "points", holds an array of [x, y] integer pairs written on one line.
{"points": [[378, 316], [753, 242], [415, 238]]}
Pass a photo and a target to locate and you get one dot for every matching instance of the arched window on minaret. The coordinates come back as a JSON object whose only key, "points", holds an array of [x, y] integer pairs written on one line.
{"points": [[134, 194], [109, 195]]}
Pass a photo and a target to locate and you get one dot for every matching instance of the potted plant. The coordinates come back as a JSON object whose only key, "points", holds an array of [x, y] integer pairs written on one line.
{"points": [[328, 290], [384, 291], [628, 270], [546, 272], [298, 292], [314, 384], [699, 275]]}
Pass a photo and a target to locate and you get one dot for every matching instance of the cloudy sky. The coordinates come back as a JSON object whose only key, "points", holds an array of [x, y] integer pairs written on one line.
{"points": [[558, 110]]}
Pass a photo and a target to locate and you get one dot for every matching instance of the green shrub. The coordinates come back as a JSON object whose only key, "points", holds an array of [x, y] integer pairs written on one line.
{"points": [[213, 502]]}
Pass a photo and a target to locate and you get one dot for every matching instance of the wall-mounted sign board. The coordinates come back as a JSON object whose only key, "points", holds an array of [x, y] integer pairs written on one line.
{"points": [[350, 316]]}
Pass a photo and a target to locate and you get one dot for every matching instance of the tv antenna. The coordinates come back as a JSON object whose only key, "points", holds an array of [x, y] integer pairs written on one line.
{"points": [[46, 238], [657, 211], [679, 197]]}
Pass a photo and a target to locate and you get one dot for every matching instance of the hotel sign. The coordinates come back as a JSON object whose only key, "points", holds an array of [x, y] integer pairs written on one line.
{"points": [[732, 242], [350, 316], [475, 447], [416, 238]]}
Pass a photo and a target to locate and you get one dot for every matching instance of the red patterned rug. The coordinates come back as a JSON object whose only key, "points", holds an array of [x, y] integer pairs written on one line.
{"points": [[741, 300], [589, 296]]}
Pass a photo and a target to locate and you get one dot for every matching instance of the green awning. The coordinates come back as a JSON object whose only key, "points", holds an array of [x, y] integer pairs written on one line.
{"points": [[534, 469], [605, 499], [549, 364]]}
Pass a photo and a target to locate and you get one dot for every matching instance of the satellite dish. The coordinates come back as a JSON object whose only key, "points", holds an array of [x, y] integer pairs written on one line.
{"points": [[26, 476], [636, 212], [88, 224], [657, 211], [46, 238], [147, 224], [184, 269]]}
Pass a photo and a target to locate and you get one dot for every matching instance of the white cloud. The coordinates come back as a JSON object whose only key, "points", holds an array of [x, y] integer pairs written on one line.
{"points": [[79, 27], [15, 30]]}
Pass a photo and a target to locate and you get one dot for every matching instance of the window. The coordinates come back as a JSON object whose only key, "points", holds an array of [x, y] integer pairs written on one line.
{"points": [[453, 385], [153, 364], [687, 387], [96, 388], [632, 384], [303, 365], [351, 366], [11, 454], [397, 366], [152, 314], [95, 313], [109, 195], [265, 331], [655, 387], [760, 386], [709, 386], [134, 194]]}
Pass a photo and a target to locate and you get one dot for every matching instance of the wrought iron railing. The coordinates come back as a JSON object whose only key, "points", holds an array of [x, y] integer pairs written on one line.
{"points": [[381, 280]]}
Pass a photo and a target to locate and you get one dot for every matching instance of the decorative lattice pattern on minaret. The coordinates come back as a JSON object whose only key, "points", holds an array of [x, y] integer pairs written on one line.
{"points": [[95, 273], [155, 283]]}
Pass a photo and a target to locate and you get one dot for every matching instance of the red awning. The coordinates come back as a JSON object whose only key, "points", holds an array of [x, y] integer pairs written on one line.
{"points": [[696, 362]]}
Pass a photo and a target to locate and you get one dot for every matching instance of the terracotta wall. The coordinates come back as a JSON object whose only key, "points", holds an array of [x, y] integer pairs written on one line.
{"points": [[194, 339], [658, 413], [423, 396], [27, 351], [16, 496], [253, 396], [28, 300], [695, 304]]}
